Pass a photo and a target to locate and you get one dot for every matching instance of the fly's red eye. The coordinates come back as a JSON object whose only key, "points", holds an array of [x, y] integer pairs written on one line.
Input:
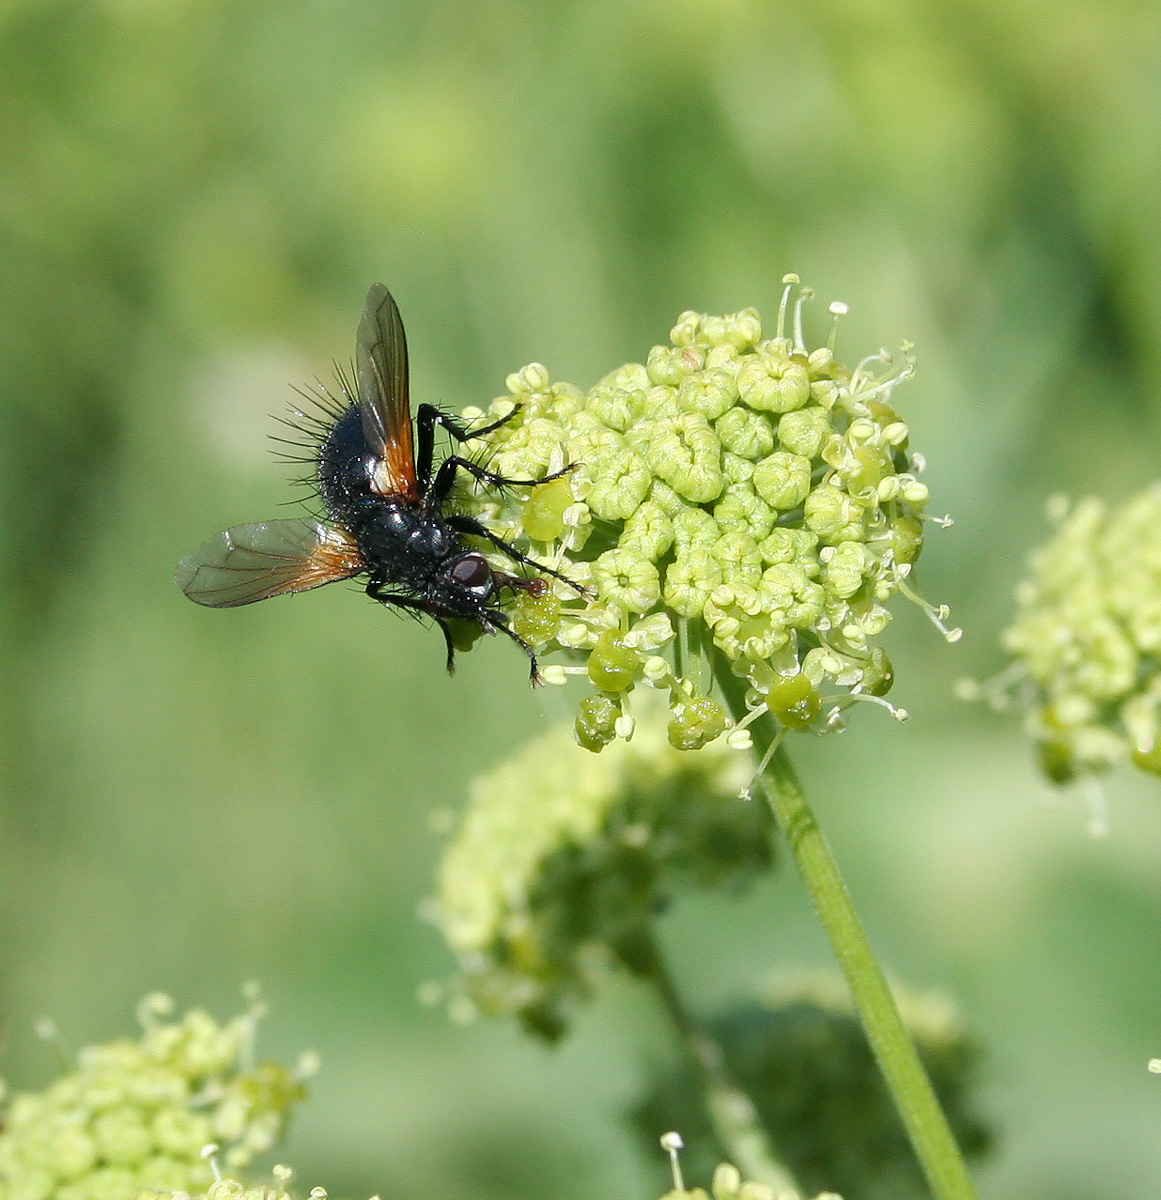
{"points": [[471, 570]]}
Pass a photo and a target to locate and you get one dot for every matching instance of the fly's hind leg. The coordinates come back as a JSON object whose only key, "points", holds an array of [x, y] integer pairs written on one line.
{"points": [[497, 622], [375, 590]]}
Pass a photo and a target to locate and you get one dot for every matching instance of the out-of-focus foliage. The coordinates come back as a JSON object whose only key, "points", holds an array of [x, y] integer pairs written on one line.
{"points": [[804, 1060], [193, 200]]}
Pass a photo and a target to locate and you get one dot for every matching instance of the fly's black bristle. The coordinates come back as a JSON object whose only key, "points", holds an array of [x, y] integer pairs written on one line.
{"points": [[314, 422]]}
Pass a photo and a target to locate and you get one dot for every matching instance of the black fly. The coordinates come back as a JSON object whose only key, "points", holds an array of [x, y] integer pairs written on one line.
{"points": [[386, 507]]}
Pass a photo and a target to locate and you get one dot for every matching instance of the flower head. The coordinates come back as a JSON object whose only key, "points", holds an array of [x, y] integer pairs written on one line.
{"points": [[137, 1115], [739, 502], [562, 860], [1086, 641]]}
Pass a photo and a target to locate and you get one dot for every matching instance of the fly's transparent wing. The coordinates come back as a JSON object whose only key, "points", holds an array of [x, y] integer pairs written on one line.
{"points": [[267, 558], [384, 405]]}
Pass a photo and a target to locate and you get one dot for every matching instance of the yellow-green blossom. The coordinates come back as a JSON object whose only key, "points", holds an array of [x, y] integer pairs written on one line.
{"points": [[563, 858], [225, 1188], [1086, 641], [755, 495], [137, 1115]]}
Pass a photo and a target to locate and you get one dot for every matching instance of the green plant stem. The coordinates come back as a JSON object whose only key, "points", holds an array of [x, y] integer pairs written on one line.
{"points": [[927, 1127], [731, 1112]]}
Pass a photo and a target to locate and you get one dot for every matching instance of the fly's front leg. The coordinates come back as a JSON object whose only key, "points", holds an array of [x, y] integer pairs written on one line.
{"points": [[470, 525], [446, 476]]}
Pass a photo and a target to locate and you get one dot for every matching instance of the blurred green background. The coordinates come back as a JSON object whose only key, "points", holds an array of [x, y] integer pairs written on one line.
{"points": [[194, 196]]}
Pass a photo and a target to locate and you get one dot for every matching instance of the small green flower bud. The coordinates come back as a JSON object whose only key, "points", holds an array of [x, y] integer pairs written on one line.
{"points": [[783, 479], [844, 567], [736, 469], [741, 511], [771, 383], [690, 581], [803, 432], [613, 663], [613, 479], [710, 393], [791, 545], [671, 364], [697, 723], [686, 454], [615, 407], [648, 532], [833, 515], [630, 377], [596, 720], [694, 529], [532, 378], [740, 558], [627, 579], [794, 701], [745, 433]]}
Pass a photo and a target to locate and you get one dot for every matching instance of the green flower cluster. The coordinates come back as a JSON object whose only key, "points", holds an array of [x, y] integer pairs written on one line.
{"points": [[1086, 642], [137, 1115], [801, 1056], [562, 860], [735, 496]]}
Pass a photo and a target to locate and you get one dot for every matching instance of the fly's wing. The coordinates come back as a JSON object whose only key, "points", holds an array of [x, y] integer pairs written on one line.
{"points": [[384, 407], [253, 562]]}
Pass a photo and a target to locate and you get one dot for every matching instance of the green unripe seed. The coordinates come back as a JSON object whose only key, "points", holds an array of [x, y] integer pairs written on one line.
{"points": [[698, 722], [906, 539], [794, 701], [1057, 762], [596, 720], [1148, 760], [536, 618], [543, 515], [613, 663], [878, 674]]}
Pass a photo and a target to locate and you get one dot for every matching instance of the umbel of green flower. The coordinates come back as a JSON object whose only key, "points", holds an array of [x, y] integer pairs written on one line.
{"points": [[740, 502], [137, 1115], [226, 1188], [562, 860], [1086, 641]]}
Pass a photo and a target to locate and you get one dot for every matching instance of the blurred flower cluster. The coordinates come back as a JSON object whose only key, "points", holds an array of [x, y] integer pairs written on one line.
{"points": [[1086, 641], [728, 1184], [562, 860], [225, 1188], [737, 497], [137, 1115]]}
